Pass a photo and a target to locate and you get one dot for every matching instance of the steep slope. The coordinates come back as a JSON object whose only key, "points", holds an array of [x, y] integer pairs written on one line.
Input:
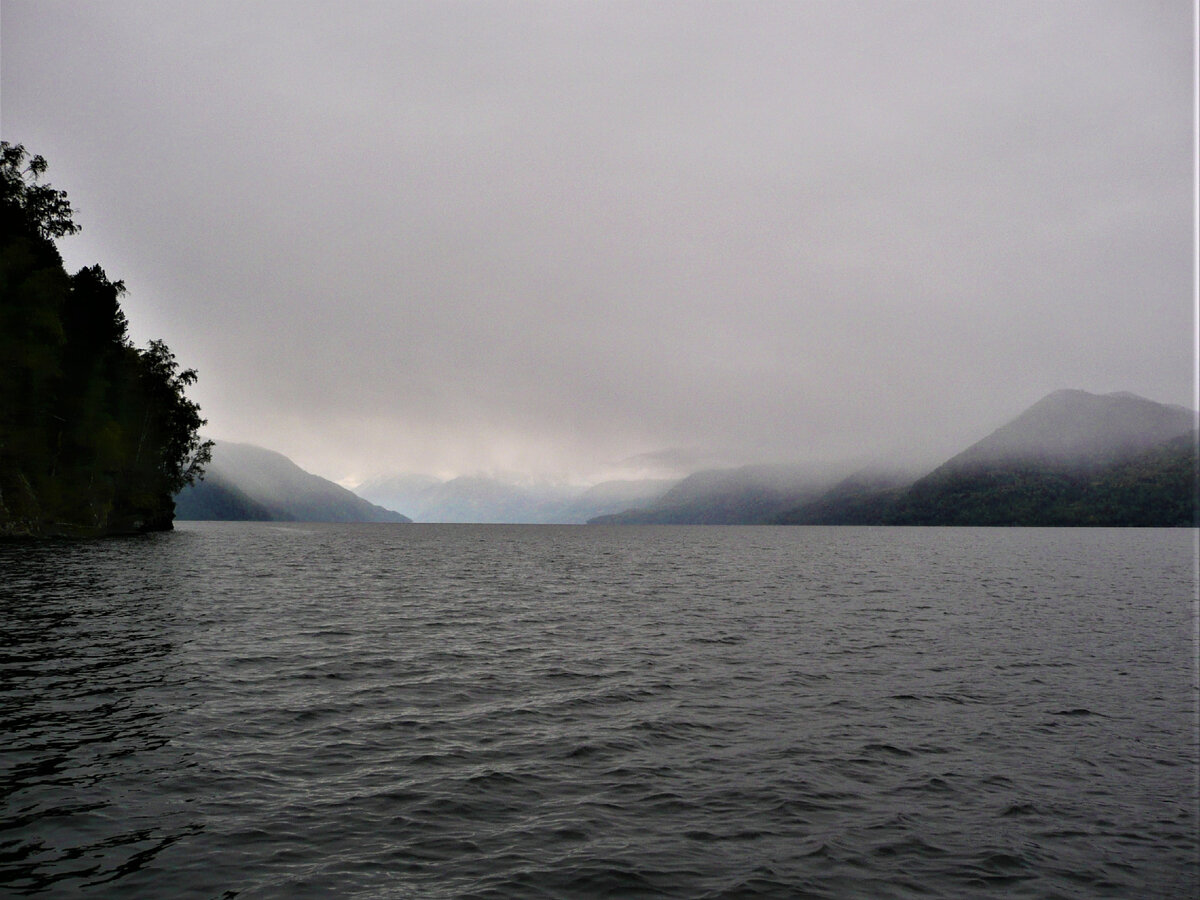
{"points": [[248, 482], [1076, 429], [746, 495], [1073, 458], [217, 499], [1160, 487], [610, 497], [1156, 487], [865, 498]]}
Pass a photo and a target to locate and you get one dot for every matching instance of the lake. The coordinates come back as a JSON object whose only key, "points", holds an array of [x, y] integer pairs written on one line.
{"points": [[260, 710]]}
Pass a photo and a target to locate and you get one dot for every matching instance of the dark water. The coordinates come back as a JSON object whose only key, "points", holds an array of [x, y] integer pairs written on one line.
{"points": [[490, 711]]}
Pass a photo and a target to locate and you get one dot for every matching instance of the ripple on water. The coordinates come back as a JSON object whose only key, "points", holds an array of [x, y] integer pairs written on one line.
{"points": [[277, 711]]}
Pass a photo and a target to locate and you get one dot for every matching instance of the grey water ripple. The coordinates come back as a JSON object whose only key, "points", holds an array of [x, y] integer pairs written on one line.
{"points": [[377, 711]]}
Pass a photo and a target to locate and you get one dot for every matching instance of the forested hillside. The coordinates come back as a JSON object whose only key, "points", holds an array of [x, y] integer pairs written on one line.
{"points": [[1156, 487], [96, 435], [249, 483], [1073, 458]]}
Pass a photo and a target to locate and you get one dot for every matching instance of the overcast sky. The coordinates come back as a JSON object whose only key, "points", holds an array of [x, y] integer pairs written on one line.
{"points": [[544, 238]]}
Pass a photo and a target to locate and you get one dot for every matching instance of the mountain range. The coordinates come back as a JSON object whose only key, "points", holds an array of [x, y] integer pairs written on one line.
{"points": [[244, 482], [491, 500], [747, 494], [1073, 458]]}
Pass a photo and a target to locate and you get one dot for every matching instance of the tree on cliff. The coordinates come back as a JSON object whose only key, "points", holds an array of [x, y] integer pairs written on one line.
{"points": [[96, 436]]}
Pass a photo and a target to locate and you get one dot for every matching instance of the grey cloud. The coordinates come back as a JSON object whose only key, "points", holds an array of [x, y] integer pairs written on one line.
{"points": [[543, 237]]}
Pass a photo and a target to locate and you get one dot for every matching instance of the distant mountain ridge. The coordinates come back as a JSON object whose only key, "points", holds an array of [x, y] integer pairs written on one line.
{"points": [[745, 495], [476, 498], [1075, 428], [1073, 458], [1154, 487], [864, 498], [244, 482]]}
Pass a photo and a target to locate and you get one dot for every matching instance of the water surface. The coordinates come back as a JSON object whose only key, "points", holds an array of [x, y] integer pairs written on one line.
{"points": [[260, 710]]}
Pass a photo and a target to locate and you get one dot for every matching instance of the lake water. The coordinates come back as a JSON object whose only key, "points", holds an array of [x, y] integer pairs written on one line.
{"points": [[259, 710]]}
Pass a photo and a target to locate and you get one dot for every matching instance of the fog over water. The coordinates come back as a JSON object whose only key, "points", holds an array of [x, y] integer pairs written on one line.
{"points": [[579, 241]]}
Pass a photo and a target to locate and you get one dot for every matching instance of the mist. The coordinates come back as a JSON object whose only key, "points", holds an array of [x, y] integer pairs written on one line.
{"points": [[581, 242]]}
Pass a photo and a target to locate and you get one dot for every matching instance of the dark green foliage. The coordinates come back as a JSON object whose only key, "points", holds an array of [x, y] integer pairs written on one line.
{"points": [[748, 495], [858, 500], [1010, 495], [1073, 458], [40, 208], [1153, 488], [1156, 488], [96, 436]]}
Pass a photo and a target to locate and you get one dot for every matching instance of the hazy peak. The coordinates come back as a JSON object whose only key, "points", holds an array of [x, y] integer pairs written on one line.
{"points": [[1079, 428], [246, 481]]}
